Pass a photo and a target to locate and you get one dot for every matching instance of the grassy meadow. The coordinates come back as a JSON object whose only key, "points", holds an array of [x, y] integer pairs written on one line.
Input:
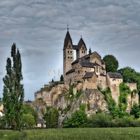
{"points": [[73, 134]]}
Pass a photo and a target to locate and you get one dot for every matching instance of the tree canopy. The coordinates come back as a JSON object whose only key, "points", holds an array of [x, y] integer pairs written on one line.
{"points": [[13, 92], [111, 63], [130, 76]]}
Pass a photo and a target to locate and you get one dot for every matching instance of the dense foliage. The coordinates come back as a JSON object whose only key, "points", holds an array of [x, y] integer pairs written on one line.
{"points": [[78, 119], [124, 91], [135, 111], [13, 92], [30, 116], [111, 63], [120, 109], [29, 121], [99, 120], [111, 103], [130, 76], [51, 117]]}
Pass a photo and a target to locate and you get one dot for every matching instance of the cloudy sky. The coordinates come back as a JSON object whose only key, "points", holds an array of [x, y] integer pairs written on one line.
{"points": [[38, 27]]}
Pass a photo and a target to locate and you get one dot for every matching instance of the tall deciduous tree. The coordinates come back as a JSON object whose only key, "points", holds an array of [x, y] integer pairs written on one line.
{"points": [[13, 91], [111, 62]]}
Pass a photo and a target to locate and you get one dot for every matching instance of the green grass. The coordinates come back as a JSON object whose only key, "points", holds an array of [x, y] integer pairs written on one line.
{"points": [[73, 134]]}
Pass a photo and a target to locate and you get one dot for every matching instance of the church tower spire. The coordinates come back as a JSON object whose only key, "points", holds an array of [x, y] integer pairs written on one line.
{"points": [[67, 53], [82, 49]]}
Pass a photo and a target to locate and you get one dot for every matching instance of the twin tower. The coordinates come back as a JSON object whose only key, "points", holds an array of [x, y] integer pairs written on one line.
{"points": [[68, 52]]}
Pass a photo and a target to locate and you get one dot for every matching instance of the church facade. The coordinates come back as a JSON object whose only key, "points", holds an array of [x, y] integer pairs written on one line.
{"points": [[88, 68]]}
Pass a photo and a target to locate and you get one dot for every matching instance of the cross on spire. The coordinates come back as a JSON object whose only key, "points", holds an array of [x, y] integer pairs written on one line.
{"points": [[67, 27]]}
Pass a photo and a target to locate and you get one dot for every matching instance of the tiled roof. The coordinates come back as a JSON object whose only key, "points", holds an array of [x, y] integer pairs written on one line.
{"points": [[76, 61], [88, 75], [102, 74], [88, 64], [70, 71], [115, 75]]}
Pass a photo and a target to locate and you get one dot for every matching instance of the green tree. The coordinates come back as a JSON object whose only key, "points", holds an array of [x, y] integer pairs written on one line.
{"points": [[135, 111], [100, 120], [78, 119], [52, 81], [111, 63], [51, 117], [61, 78], [28, 120], [13, 92], [90, 51], [28, 109], [129, 74]]}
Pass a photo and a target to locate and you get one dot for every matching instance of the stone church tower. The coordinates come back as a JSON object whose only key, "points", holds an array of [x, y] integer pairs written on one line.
{"points": [[67, 53], [81, 49]]}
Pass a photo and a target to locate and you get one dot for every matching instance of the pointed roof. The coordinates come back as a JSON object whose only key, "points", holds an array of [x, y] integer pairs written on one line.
{"points": [[67, 39], [81, 42]]}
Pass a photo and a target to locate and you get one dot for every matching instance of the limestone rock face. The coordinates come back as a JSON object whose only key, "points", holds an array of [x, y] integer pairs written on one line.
{"points": [[95, 101]]}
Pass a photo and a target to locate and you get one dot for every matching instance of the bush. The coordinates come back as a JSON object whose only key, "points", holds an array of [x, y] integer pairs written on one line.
{"points": [[78, 119], [28, 120], [105, 120], [100, 120], [123, 122], [51, 117], [135, 111], [2, 122], [28, 109]]}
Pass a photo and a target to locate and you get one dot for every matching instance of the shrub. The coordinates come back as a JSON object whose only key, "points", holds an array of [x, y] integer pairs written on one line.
{"points": [[28, 120], [78, 119], [51, 117], [28, 109], [124, 122], [100, 120], [135, 111], [124, 91]]}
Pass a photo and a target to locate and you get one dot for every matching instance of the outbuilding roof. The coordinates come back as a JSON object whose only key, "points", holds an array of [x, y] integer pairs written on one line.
{"points": [[114, 75]]}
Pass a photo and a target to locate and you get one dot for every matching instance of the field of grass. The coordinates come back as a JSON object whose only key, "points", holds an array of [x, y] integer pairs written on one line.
{"points": [[73, 134]]}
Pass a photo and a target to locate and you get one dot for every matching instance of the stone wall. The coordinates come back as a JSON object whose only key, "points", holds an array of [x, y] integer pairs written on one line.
{"points": [[101, 82], [133, 97], [67, 58], [90, 83], [81, 52], [114, 84], [132, 86]]}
